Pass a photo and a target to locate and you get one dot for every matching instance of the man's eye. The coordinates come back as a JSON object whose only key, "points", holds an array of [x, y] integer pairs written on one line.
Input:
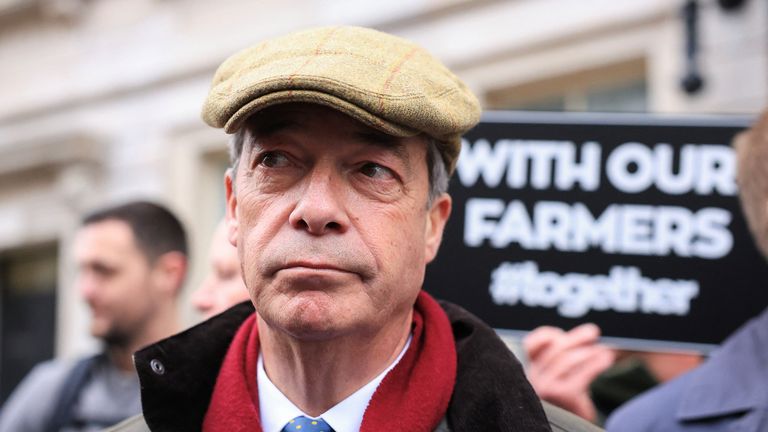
{"points": [[374, 170], [274, 160], [103, 271]]}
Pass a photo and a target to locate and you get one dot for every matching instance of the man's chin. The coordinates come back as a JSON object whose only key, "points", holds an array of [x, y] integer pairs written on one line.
{"points": [[99, 331], [111, 337], [313, 331], [306, 326]]}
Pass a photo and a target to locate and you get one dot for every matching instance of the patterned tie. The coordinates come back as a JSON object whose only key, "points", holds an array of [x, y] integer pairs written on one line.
{"points": [[306, 424]]}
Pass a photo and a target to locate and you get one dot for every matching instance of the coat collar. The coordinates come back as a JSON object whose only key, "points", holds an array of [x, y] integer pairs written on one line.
{"points": [[726, 383], [178, 374], [491, 392]]}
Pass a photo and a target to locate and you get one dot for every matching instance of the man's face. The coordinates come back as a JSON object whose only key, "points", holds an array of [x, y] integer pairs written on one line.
{"points": [[223, 287], [115, 279], [331, 222]]}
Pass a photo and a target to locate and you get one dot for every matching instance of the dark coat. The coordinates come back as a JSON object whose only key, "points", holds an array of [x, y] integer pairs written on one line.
{"points": [[491, 393]]}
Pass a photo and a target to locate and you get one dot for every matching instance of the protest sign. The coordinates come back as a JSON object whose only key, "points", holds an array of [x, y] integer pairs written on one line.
{"points": [[628, 221]]}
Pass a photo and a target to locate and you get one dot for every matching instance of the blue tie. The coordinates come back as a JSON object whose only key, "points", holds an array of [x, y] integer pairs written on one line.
{"points": [[306, 424]]}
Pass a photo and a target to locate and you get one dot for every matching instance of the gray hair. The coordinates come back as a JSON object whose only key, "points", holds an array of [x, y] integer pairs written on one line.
{"points": [[438, 174]]}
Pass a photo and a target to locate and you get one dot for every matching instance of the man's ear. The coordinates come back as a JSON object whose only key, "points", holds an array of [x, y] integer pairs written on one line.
{"points": [[170, 269], [231, 211], [436, 218]]}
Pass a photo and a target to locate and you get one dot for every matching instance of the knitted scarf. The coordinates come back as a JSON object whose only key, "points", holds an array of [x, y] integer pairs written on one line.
{"points": [[413, 396]]}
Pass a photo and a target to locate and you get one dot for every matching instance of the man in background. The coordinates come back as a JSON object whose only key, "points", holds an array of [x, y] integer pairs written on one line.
{"points": [[223, 287], [132, 261]]}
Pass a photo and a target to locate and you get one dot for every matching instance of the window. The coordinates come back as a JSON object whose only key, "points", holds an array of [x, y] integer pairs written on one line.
{"points": [[27, 312], [616, 88]]}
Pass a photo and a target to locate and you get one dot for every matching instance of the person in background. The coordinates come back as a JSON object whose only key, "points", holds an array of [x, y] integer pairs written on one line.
{"points": [[730, 390], [223, 287], [132, 262]]}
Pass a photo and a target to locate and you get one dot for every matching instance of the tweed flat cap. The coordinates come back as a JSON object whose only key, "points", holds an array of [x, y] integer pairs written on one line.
{"points": [[384, 81]]}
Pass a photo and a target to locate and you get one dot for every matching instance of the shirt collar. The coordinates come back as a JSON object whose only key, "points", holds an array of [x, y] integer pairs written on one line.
{"points": [[345, 416]]}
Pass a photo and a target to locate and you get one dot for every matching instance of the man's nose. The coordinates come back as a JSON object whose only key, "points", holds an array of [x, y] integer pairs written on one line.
{"points": [[320, 208], [87, 287]]}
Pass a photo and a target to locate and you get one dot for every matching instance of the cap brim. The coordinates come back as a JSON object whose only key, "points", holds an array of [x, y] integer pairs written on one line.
{"points": [[237, 119]]}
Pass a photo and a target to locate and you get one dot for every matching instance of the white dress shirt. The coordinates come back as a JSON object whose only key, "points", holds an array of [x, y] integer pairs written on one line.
{"points": [[346, 416]]}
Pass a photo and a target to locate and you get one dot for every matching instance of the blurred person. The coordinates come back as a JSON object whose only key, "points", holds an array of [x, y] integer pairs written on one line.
{"points": [[730, 390], [132, 261], [223, 287], [344, 142]]}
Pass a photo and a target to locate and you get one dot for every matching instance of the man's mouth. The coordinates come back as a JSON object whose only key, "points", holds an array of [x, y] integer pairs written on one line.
{"points": [[313, 265], [317, 265]]}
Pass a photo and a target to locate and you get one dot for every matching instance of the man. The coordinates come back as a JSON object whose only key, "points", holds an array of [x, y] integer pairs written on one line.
{"points": [[223, 287], [344, 141], [728, 392], [131, 261]]}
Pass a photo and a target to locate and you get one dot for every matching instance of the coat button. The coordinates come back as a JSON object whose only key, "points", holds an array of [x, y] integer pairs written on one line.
{"points": [[157, 366]]}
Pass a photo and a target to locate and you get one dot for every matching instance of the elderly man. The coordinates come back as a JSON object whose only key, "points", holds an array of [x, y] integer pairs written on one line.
{"points": [[132, 261], [729, 391], [344, 141]]}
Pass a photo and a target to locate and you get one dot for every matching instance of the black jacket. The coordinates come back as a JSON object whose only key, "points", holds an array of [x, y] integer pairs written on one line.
{"points": [[491, 393]]}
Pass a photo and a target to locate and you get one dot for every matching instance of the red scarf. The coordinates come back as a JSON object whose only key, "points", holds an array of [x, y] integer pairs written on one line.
{"points": [[413, 396]]}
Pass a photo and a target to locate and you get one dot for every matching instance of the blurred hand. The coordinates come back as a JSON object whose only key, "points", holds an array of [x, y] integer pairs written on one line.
{"points": [[563, 364]]}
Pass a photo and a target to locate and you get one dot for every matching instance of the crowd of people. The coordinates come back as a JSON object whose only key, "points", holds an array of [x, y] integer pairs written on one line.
{"points": [[343, 143]]}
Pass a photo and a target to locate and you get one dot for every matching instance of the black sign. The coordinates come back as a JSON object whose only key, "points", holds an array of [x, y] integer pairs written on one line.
{"points": [[628, 221]]}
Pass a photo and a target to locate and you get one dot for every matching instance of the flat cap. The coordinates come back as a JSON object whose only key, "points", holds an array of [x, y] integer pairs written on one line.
{"points": [[384, 81]]}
